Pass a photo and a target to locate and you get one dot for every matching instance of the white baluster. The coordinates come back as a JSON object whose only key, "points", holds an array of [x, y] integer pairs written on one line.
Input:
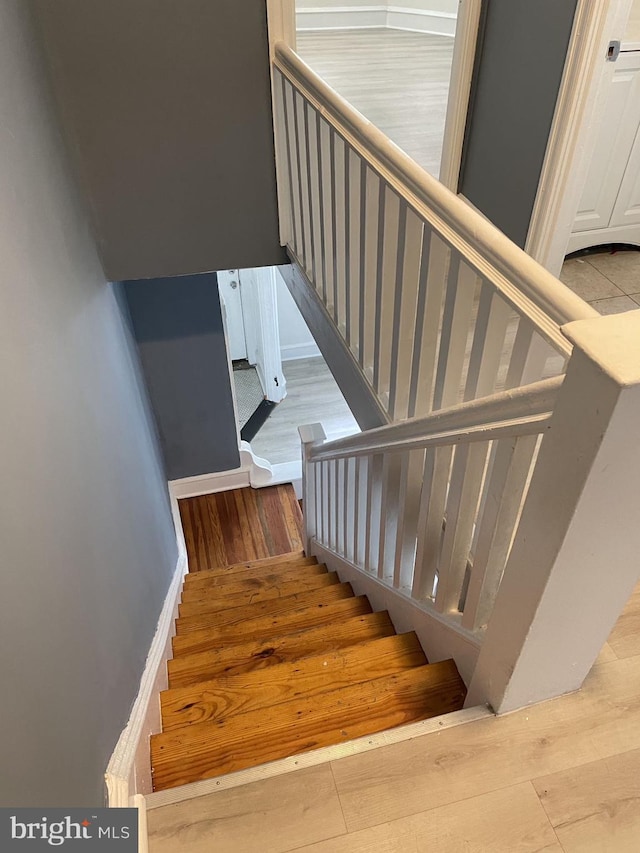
{"points": [[496, 525], [389, 236], [354, 243], [404, 314], [303, 171]]}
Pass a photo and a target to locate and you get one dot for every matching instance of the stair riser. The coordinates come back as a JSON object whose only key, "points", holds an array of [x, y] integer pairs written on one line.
{"points": [[249, 657], [206, 750], [307, 677], [212, 602], [263, 629], [272, 607]]}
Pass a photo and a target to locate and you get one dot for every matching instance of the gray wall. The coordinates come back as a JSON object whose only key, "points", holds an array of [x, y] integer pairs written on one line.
{"points": [[177, 324], [88, 546], [519, 67], [167, 107]]}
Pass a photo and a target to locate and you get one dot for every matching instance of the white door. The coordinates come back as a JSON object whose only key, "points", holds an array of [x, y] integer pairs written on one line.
{"points": [[611, 155], [229, 286], [627, 209]]}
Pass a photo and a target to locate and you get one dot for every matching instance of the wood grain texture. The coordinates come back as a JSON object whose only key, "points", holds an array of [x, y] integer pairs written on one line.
{"points": [[250, 612], [250, 818], [265, 592], [240, 525], [205, 750], [508, 821], [239, 584], [253, 571], [262, 654], [307, 676], [270, 626], [625, 637], [595, 808]]}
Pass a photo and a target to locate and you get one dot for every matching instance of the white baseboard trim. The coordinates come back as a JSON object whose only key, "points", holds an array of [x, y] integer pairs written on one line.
{"points": [[376, 17], [341, 18], [292, 352], [435, 633], [253, 471], [629, 234], [421, 21], [129, 771]]}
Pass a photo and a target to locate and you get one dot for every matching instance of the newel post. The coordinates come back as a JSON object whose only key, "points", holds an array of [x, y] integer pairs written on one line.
{"points": [[576, 556], [311, 435]]}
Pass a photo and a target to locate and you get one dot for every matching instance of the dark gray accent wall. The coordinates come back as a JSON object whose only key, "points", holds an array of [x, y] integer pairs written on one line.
{"points": [[178, 327], [519, 66], [346, 371], [167, 107], [87, 540]]}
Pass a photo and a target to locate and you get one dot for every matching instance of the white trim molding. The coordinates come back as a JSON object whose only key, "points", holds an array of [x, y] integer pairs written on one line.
{"points": [[253, 471], [129, 770], [421, 21], [292, 352], [376, 17], [341, 18], [464, 56], [576, 122]]}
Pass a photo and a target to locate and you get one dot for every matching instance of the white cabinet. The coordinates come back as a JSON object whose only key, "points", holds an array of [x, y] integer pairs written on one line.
{"points": [[609, 210]]}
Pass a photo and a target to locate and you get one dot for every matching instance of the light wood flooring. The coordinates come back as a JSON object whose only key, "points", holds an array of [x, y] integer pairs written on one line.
{"points": [[216, 532], [398, 80], [312, 397], [560, 776]]}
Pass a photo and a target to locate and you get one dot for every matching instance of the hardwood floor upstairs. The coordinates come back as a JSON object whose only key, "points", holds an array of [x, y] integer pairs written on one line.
{"points": [[273, 656]]}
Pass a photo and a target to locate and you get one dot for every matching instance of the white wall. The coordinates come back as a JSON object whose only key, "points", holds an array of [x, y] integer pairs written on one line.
{"points": [[429, 16], [296, 341]]}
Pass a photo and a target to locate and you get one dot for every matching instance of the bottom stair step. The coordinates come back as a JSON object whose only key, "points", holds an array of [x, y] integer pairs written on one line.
{"points": [[260, 654], [306, 677], [209, 749]]}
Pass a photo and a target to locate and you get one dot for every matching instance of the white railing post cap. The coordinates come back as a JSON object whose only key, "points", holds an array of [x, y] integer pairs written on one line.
{"points": [[611, 342], [311, 433]]}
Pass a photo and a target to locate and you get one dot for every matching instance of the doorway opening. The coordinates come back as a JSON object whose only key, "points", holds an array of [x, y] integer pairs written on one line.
{"points": [[392, 63], [280, 379]]}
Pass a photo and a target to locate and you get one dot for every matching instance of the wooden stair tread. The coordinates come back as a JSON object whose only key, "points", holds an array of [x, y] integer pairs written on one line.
{"points": [[236, 584], [257, 567], [331, 670], [213, 601], [270, 625], [230, 614], [204, 750], [261, 654]]}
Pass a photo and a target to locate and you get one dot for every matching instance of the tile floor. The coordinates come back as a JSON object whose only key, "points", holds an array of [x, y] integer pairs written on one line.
{"points": [[608, 281]]}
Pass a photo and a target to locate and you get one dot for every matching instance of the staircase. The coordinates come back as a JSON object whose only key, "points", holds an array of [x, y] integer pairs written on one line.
{"points": [[275, 656]]}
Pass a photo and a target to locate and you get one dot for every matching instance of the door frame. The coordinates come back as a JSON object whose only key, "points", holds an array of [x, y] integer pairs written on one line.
{"points": [[462, 68], [574, 130]]}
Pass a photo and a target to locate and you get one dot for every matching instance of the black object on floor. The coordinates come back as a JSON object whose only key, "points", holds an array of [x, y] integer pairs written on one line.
{"points": [[257, 420]]}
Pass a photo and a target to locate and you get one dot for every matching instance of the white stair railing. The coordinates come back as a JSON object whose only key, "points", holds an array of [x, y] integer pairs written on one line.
{"points": [[436, 305], [499, 503], [430, 506]]}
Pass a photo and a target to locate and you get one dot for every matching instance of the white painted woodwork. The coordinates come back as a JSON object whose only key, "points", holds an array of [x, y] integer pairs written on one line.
{"points": [[611, 195], [258, 289], [229, 287], [582, 99], [477, 511], [574, 561], [398, 261]]}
